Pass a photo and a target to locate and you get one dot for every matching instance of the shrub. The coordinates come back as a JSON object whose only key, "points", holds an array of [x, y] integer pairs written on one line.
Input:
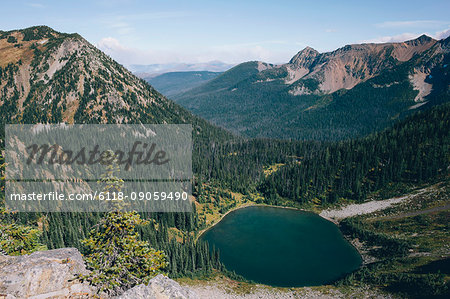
{"points": [[11, 39]]}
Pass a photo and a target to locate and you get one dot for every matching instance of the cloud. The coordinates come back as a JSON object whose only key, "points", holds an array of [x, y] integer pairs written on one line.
{"points": [[36, 5], [442, 34], [123, 24], [118, 24], [111, 45], [128, 55], [408, 36], [121, 53], [158, 15], [411, 24], [330, 30], [122, 28], [232, 53], [392, 39]]}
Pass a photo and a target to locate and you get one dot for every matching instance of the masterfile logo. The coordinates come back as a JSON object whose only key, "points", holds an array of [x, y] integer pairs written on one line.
{"points": [[88, 167]]}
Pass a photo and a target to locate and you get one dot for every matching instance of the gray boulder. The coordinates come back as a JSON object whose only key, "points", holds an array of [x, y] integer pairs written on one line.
{"points": [[44, 274], [159, 287]]}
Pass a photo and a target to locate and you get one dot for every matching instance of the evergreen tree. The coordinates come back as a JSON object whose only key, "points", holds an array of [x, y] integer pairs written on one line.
{"points": [[116, 256]]}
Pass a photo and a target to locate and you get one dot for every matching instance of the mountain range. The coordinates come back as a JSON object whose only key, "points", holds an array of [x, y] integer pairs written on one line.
{"points": [[349, 92], [52, 77], [48, 76], [150, 70]]}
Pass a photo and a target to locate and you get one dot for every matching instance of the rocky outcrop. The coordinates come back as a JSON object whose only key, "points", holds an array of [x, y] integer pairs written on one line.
{"points": [[44, 274], [159, 287], [52, 274]]}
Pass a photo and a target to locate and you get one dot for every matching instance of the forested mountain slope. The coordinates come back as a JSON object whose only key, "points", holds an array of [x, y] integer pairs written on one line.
{"points": [[413, 151], [350, 92]]}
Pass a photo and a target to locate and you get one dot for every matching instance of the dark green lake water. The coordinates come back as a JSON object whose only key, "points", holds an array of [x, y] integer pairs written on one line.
{"points": [[282, 247]]}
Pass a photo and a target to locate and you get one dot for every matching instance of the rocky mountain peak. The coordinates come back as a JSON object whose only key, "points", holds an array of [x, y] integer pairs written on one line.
{"points": [[423, 39], [350, 65], [304, 58], [69, 80]]}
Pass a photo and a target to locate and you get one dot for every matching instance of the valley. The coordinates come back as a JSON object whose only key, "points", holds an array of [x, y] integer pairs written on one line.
{"points": [[365, 145], [170, 84], [402, 219]]}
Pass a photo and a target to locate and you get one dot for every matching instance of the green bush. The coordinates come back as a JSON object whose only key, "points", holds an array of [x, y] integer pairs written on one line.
{"points": [[11, 39]]}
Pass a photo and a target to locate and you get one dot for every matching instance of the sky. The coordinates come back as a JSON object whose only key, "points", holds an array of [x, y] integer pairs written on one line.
{"points": [[231, 31]]}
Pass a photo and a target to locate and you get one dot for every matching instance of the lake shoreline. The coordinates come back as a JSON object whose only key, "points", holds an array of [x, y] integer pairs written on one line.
{"points": [[333, 215], [246, 205], [315, 229], [366, 259]]}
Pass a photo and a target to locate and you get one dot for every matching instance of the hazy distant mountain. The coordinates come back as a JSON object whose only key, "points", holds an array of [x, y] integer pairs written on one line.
{"points": [[349, 92], [156, 69], [170, 84]]}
